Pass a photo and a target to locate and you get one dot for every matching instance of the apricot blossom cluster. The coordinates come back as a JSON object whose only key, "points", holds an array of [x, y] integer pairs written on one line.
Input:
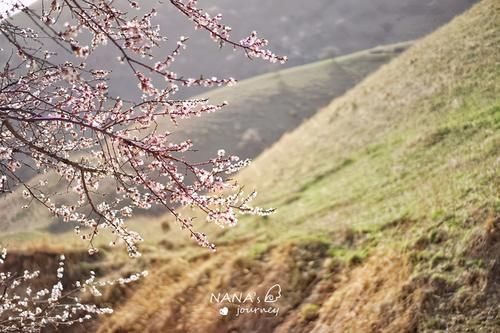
{"points": [[24, 308], [111, 154]]}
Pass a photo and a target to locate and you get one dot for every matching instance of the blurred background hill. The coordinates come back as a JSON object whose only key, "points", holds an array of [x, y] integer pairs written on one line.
{"points": [[305, 31]]}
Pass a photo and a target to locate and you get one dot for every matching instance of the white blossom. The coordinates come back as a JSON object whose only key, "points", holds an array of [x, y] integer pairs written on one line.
{"points": [[23, 309]]}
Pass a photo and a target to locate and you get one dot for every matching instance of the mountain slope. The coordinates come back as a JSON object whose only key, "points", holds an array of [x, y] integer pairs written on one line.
{"points": [[388, 209], [261, 109]]}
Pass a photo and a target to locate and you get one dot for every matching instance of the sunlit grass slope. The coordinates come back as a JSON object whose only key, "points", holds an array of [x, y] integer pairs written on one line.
{"points": [[418, 137], [388, 208]]}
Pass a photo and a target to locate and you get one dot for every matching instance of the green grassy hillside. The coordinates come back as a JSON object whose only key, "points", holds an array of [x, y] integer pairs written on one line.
{"points": [[388, 213], [261, 109]]}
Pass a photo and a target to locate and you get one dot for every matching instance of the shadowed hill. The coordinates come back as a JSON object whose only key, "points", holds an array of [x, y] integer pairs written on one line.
{"points": [[319, 30], [388, 216]]}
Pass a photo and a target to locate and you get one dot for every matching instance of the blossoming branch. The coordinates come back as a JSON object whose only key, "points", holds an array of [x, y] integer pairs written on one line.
{"points": [[108, 151]]}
